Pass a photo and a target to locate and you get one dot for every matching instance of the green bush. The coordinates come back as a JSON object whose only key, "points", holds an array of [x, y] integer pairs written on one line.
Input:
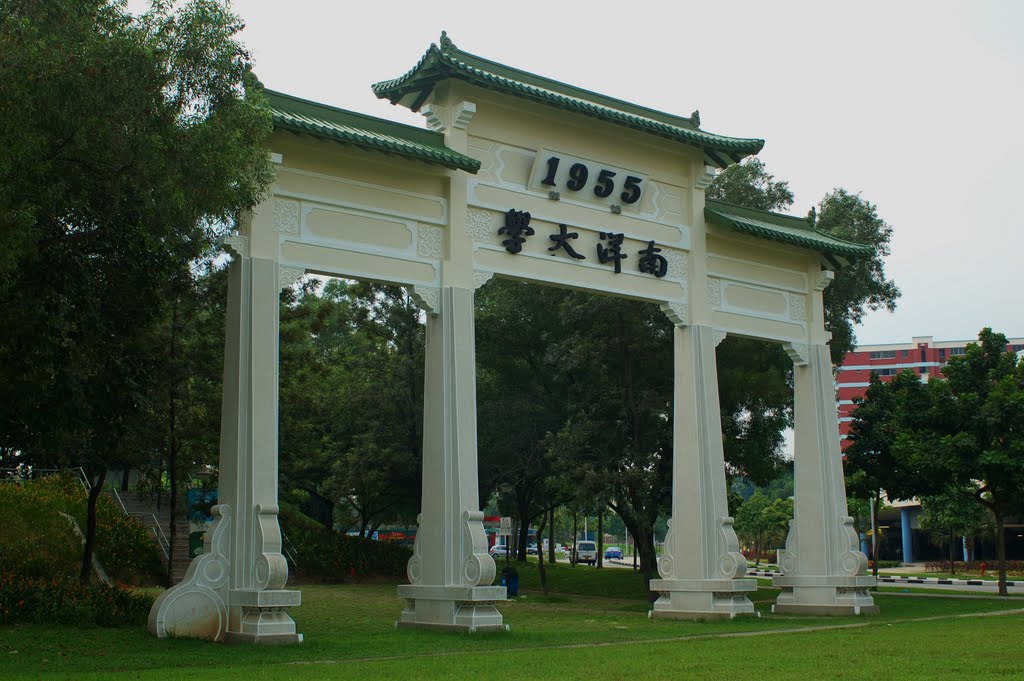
{"points": [[327, 556], [41, 600], [38, 539]]}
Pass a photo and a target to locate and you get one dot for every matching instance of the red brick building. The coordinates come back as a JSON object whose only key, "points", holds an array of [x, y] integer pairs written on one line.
{"points": [[924, 356]]}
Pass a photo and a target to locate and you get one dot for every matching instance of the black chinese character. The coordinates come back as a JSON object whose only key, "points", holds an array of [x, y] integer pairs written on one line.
{"points": [[517, 223], [613, 251], [651, 262], [562, 241]]}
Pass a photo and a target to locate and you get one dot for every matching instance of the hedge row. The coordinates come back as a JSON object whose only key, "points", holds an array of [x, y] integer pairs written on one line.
{"points": [[324, 555], [25, 600], [991, 566]]}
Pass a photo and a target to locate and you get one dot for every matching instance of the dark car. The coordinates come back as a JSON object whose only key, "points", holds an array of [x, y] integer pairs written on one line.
{"points": [[612, 552]]}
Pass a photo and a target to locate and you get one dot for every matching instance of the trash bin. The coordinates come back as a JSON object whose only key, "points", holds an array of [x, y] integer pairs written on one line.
{"points": [[510, 580]]}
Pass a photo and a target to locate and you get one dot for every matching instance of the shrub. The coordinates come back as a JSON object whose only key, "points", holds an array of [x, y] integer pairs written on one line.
{"points": [[38, 539], [329, 556], [41, 600], [991, 566]]}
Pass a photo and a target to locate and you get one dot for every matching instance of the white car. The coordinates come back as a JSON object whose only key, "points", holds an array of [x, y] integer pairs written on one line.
{"points": [[586, 552], [499, 550]]}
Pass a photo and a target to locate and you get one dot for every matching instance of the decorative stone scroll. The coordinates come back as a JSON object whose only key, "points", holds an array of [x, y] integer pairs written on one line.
{"points": [[427, 297], [797, 307], [286, 216], [714, 292], [480, 224], [705, 178], [429, 241], [823, 279], [197, 606], [287, 276], [677, 312], [479, 566], [797, 352], [235, 243], [481, 278]]}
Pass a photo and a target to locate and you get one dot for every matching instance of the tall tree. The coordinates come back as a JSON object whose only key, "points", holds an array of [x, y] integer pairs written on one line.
{"points": [[982, 430], [874, 459], [861, 285], [749, 184], [127, 140]]}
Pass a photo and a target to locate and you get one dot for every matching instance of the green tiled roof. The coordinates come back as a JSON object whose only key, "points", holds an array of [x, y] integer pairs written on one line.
{"points": [[366, 132], [783, 228], [447, 61]]}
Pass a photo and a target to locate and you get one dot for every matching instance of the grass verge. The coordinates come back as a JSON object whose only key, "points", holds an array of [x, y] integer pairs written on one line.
{"points": [[570, 634]]}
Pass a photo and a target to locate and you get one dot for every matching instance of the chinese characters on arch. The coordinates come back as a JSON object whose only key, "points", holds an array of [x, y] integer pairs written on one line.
{"points": [[609, 249]]}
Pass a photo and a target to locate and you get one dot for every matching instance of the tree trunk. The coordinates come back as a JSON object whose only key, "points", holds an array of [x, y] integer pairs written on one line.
{"points": [[524, 533], [172, 444], [90, 527], [575, 529], [875, 544], [1000, 551], [540, 557], [551, 535], [600, 538], [643, 539], [952, 554]]}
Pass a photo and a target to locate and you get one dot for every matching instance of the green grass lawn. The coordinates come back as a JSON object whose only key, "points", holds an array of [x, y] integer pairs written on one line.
{"points": [[595, 626]]}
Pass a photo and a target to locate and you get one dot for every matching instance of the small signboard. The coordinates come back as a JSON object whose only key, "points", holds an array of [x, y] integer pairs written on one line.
{"points": [[506, 525]]}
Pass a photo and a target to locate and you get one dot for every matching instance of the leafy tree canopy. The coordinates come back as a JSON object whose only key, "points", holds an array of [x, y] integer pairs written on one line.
{"points": [[126, 140]]}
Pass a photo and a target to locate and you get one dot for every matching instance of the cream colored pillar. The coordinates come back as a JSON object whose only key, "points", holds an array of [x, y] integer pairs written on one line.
{"points": [[701, 567], [823, 569], [233, 591], [450, 572]]}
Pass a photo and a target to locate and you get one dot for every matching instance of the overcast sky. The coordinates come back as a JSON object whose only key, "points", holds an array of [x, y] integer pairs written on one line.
{"points": [[918, 106]]}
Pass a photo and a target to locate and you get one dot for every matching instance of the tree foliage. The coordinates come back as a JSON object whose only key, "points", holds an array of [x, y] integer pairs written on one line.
{"points": [[352, 401], [127, 139], [861, 285], [749, 184], [948, 437]]}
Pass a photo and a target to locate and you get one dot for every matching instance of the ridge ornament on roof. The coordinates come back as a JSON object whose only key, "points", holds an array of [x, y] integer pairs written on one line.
{"points": [[446, 61]]}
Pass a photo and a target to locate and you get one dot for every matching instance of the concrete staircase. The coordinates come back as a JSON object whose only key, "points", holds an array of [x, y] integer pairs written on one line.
{"points": [[158, 523]]}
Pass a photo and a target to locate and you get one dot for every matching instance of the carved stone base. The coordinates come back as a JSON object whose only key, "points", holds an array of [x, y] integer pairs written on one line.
{"points": [[258, 616], [829, 596], [695, 599], [465, 608]]}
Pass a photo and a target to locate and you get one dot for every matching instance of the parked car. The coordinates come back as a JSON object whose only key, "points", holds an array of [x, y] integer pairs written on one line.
{"points": [[499, 551], [586, 552], [531, 549], [612, 552]]}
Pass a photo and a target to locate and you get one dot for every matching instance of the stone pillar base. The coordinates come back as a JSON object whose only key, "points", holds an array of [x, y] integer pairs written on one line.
{"points": [[258, 616], [702, 599], [451, 608], [828, 596]]}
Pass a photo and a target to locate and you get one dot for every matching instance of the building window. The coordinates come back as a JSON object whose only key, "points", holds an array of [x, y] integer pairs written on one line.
{"points": [[884, 354], [884, 372], [957, 351]]}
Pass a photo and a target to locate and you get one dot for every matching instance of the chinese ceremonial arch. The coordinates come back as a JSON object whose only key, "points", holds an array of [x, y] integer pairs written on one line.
{"points": [[526, 178]]}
